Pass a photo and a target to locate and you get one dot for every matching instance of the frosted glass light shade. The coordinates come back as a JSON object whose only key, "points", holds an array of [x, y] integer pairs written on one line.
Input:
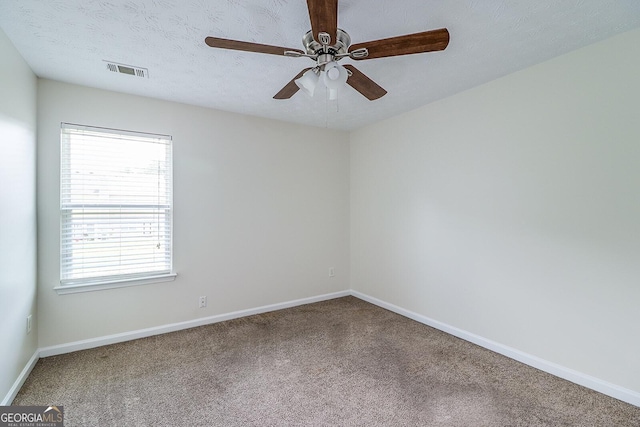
{"points": [[308, 82], [334, 76]]}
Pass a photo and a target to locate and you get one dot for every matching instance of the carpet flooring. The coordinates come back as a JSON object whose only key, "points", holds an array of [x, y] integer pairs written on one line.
{"points": [[342, 362]]}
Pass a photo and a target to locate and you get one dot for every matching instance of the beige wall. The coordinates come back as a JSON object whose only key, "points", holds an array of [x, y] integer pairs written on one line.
{"points": [[512, 210], [17, 214], [261, 212]]}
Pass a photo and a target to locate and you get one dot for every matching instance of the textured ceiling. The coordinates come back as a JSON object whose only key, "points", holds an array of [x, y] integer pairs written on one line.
{"points": [[68, 40]]}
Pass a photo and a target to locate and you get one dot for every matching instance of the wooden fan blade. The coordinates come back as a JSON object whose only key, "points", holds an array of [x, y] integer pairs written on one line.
{"points": [[364, 84], [427, 41], [290, 88], [323, 15], [247, 46]]}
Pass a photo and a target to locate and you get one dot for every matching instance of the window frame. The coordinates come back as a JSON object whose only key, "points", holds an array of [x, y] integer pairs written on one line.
{"points": [[114, 280]]}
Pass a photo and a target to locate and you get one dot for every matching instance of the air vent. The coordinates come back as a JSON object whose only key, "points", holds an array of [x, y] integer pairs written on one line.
{"points": [[127, 69]]}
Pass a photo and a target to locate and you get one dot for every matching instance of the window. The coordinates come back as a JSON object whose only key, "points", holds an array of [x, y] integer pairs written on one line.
{"points": [[115, 208]]}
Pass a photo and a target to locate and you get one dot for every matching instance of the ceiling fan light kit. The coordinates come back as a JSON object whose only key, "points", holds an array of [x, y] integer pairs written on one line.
{"points": [[332, 75], [326, 44]]}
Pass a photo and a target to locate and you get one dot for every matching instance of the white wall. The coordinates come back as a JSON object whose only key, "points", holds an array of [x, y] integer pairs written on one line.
{"points": [[261, 213], [512, 210], [17, 214]]}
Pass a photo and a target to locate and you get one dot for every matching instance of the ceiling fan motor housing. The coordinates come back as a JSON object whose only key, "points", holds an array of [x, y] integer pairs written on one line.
{"points": [[313, 47]]}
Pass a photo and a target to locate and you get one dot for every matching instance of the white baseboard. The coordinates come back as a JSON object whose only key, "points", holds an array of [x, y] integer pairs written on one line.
{"points": [[576, 377], [157, 330], [13, 391], [593, 383]]}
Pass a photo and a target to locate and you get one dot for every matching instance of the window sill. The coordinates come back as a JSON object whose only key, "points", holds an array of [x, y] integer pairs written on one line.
{"points": [[100, 286]]}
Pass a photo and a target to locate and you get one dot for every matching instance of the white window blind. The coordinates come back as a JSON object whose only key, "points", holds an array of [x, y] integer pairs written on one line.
{"points": [[116, 205]]}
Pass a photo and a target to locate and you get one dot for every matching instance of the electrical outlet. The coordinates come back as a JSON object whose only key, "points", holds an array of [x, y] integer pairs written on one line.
{"points": [[29, 323], [332, 272], [202, 302]]}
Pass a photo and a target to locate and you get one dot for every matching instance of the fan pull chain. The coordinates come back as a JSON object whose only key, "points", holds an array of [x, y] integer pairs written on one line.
{"points": [[326, 108]]}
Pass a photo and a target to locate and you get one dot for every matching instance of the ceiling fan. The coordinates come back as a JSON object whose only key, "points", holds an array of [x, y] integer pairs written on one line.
{"points": [[326, 44]]}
